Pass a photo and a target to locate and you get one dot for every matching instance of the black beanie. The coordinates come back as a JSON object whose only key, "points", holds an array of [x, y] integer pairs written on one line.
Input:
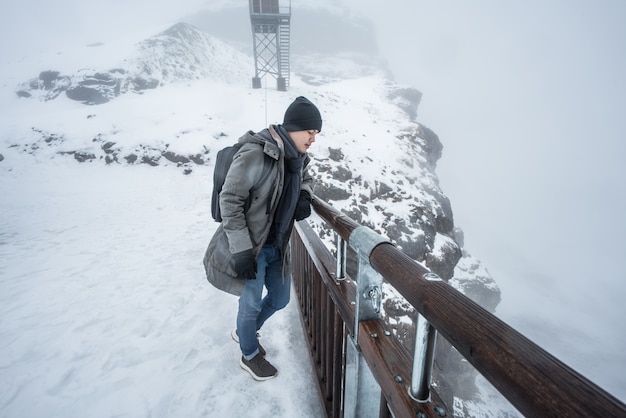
{"points": [[302, 115]]}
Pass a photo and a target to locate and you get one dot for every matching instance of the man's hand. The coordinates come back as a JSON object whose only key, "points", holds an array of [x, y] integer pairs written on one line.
{"points": [[245, 264], [303, 207]]}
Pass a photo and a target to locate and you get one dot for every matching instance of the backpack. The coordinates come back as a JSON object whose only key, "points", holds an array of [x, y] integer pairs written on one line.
{"points": [[223, 161]]}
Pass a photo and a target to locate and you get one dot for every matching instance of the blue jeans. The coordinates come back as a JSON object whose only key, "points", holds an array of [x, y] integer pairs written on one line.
{"points": [[254, 309]]}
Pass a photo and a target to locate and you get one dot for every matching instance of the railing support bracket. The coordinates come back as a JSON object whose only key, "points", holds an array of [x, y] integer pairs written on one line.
{"points": [[369, 282], [361, 387]]}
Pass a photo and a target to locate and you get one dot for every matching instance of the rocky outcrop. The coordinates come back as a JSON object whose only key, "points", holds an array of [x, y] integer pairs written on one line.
{"points": [[87, 88], [179, 54], [407, 99], [110, 153], [426, 232]]}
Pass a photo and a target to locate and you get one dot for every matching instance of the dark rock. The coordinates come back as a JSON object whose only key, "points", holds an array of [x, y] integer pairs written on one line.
{"points": [[443, 262], [342, 174], [152, 161], [86, 95], [52, 138], [396, 307], [140, 83], [329, 192], [431, 144], [97, 82], [81, 157], [106, 77], [197, 159], [131, 158], [399, 233], [415, 247], [48, 78], [107, 147], [335, 154], [324, 168], [175, 158], [444, 220], [381, 190]]}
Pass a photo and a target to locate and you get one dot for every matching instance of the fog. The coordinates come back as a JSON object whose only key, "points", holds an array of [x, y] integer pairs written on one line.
{"points": [[527, 99]]}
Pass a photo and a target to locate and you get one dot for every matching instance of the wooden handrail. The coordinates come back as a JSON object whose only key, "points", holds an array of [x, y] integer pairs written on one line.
{"points": [[313, 273], [534, 381]]}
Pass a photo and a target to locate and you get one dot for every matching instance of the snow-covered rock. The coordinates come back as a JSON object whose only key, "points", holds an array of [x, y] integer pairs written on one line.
{"points": [[179, 54]]}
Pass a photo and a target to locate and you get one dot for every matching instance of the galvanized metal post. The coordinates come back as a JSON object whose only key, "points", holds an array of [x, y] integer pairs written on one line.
{"points": [[340, 273], [423, 356], [362, 393]]}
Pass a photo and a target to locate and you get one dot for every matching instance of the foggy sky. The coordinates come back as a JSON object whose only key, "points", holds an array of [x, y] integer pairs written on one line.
{"points": [[527, 99]]}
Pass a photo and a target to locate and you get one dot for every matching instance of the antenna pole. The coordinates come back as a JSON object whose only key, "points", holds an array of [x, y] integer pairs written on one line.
{"points": [[265, 82]]}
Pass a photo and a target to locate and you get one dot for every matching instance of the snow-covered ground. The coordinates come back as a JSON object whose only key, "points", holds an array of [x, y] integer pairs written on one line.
{"points": [[105, 309]]}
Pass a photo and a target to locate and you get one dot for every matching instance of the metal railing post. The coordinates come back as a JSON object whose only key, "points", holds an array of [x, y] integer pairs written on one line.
{"points": [[362, 394], [340, 273], [423, 357], [424, 354], [511, 362]]}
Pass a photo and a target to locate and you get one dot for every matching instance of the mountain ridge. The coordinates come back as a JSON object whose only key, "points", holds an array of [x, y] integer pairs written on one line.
{"points": [[178, 54]]}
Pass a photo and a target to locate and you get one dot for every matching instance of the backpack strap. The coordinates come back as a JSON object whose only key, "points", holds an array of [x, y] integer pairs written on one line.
{"points": [[268, 163], [223, 161], [267, 167]]}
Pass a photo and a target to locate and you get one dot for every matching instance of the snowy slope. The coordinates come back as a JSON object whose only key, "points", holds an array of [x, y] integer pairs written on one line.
{"points": [[105, 308], [107, 284]]}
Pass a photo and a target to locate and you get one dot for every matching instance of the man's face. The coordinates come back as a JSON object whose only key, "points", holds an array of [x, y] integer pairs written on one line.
{"points": [[303, 139]]}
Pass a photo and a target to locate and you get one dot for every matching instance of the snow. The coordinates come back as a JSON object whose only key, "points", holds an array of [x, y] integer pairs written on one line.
{"points": [[105, 307]]}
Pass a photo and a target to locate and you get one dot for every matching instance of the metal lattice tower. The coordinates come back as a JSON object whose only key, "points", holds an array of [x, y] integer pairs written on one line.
{"points": [[270, 34]]}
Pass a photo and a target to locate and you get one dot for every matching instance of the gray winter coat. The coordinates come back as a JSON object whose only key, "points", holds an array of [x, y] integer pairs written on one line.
{"points": [[241, 230]]}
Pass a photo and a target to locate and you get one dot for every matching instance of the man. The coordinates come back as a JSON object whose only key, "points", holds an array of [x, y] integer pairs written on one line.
{"points": [[250, 248]]}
